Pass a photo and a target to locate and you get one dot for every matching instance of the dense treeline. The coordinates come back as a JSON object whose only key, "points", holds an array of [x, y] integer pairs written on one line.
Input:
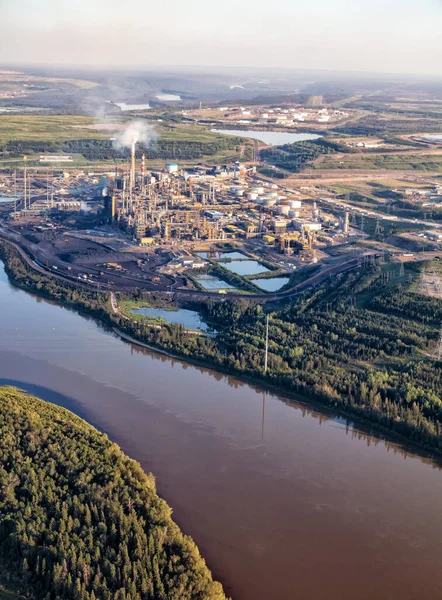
{"points": [[409, 305], [79, 520], [340, 343], [295, 157], [161, 149], [105, 150], [375, 125]]}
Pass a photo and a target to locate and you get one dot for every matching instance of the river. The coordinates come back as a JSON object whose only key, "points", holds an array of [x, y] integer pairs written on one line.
{"points": [[299, 506], [271, 138]]}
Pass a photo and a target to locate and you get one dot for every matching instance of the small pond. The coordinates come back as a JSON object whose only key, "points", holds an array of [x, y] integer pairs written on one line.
{"points": [[190, 319], [223, 255], [213, 283], [271, 285], [245, 267]]}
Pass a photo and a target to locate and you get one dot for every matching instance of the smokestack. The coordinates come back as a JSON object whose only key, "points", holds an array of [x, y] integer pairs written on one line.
{"points": [[132, 168]]}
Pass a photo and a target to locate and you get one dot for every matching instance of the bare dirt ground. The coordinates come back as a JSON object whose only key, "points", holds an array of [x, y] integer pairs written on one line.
{"points": [[341, 157], [332, 176], [430, 284]]}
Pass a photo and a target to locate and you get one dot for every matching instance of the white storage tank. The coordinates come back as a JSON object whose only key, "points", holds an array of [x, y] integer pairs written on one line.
{"points": [[283, 209], [268, 202], [252, 196], [239, 192], [172, 168], [295, 203], [259, 190]]}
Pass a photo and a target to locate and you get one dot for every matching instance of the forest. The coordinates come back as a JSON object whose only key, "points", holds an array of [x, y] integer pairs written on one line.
{"points": [[96, 149], [296, 157], [356, 342], [79, 520]]}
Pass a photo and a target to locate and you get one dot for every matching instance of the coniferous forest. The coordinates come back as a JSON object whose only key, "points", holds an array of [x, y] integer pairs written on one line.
{"points": [[79, 520]]}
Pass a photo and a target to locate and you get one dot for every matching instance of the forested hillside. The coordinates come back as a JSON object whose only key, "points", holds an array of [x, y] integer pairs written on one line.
{"points": [[79, 520]]}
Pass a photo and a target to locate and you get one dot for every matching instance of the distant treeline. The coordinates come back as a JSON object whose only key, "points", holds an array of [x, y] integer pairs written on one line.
{"points": [[105, 150], [79, 520], [295, 157], [374, 125]]}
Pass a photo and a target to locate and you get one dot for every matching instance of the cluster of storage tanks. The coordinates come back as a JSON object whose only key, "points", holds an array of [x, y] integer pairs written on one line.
{"points": [[284, 207], [268, 196]]}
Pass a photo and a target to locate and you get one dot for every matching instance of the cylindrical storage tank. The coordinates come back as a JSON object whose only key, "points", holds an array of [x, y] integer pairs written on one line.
{"points": [[260, 201], [172, 168], [239, 192], [269, 202], [274, 186], [259, 190], [272, 194], [252, 196], [283, 209], [295, 203]]}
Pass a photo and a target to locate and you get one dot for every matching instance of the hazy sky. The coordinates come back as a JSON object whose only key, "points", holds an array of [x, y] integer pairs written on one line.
{"points": [[363, 35]]}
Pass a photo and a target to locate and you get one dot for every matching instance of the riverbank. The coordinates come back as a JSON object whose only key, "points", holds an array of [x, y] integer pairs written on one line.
{"points": [[102, 491], [210, 353]]}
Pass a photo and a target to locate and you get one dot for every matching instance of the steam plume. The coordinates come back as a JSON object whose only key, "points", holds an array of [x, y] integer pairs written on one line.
{"points": [[136, 132]]}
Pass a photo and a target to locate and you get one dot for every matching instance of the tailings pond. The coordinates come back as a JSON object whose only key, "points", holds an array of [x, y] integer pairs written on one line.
{"points": [[285, 501]]}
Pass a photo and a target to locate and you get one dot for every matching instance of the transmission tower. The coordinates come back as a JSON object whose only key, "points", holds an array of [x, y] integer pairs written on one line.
{"points": [[378, 227], [402, 270], [362, 223]]}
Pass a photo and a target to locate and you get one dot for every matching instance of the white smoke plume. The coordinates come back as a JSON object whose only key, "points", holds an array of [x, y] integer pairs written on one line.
{"points": [[138, 132]]}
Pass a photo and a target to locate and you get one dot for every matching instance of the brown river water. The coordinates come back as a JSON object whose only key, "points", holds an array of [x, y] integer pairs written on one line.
{"points": [[300, 505]]}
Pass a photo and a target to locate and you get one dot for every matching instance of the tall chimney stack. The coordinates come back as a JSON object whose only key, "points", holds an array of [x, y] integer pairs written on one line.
{"points": [[132, 168]]}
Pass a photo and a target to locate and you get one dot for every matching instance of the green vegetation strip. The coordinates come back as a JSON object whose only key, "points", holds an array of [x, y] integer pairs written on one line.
{"points": [[81, 138], [79, 519]]}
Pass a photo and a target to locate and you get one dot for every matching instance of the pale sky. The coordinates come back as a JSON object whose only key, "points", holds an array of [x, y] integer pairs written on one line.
{"points": [[403, 36]]}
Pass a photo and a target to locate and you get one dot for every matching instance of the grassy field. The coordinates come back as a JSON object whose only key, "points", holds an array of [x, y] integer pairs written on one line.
{"points": [[50, 128], [61, 128], [47, 128], [399, 162]]}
